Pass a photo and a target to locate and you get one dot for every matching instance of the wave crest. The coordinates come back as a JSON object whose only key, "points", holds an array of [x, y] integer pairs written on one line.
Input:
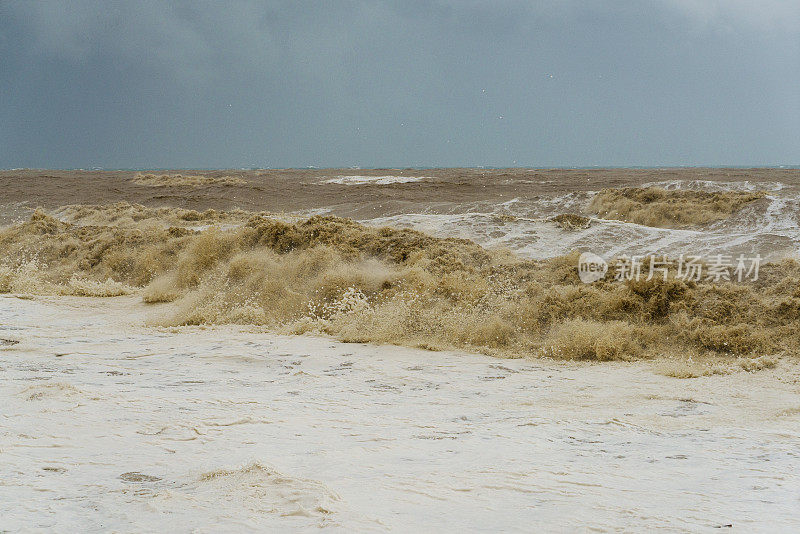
{"points": [[359, 283]]}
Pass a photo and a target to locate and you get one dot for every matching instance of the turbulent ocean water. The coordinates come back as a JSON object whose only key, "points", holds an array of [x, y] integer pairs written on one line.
{"points": [[149, 383], [458, 203]]}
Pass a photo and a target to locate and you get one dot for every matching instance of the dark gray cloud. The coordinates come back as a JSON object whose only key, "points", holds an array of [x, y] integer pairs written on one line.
{"points": [[234, 84]]}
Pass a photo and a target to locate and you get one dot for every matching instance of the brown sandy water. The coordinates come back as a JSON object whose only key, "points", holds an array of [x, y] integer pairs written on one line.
{"points": [[111, 422], [293, 190], [450, 202]]}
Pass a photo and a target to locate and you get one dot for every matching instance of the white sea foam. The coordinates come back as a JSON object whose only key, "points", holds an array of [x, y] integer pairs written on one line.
{"points": [[220, 429], [380, 180], [769, 228]]}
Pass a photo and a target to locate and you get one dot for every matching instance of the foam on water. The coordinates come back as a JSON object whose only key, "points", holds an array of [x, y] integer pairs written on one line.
{"points": [[769, 228], [127, 428], [379, 180]]}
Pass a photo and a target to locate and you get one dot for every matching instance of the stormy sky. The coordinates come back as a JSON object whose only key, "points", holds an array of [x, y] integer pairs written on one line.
{"points": [[393, 84]]}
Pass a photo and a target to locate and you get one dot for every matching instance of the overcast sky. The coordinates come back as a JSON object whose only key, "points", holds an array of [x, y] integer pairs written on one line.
{"points": [[392, 84]]}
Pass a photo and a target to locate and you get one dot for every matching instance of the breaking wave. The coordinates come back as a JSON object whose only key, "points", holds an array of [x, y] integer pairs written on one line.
{"points": [[669, 208], [334, 276]]}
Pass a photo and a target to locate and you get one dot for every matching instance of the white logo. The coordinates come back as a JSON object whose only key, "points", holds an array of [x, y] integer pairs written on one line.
{"points": [[591, 267]]}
